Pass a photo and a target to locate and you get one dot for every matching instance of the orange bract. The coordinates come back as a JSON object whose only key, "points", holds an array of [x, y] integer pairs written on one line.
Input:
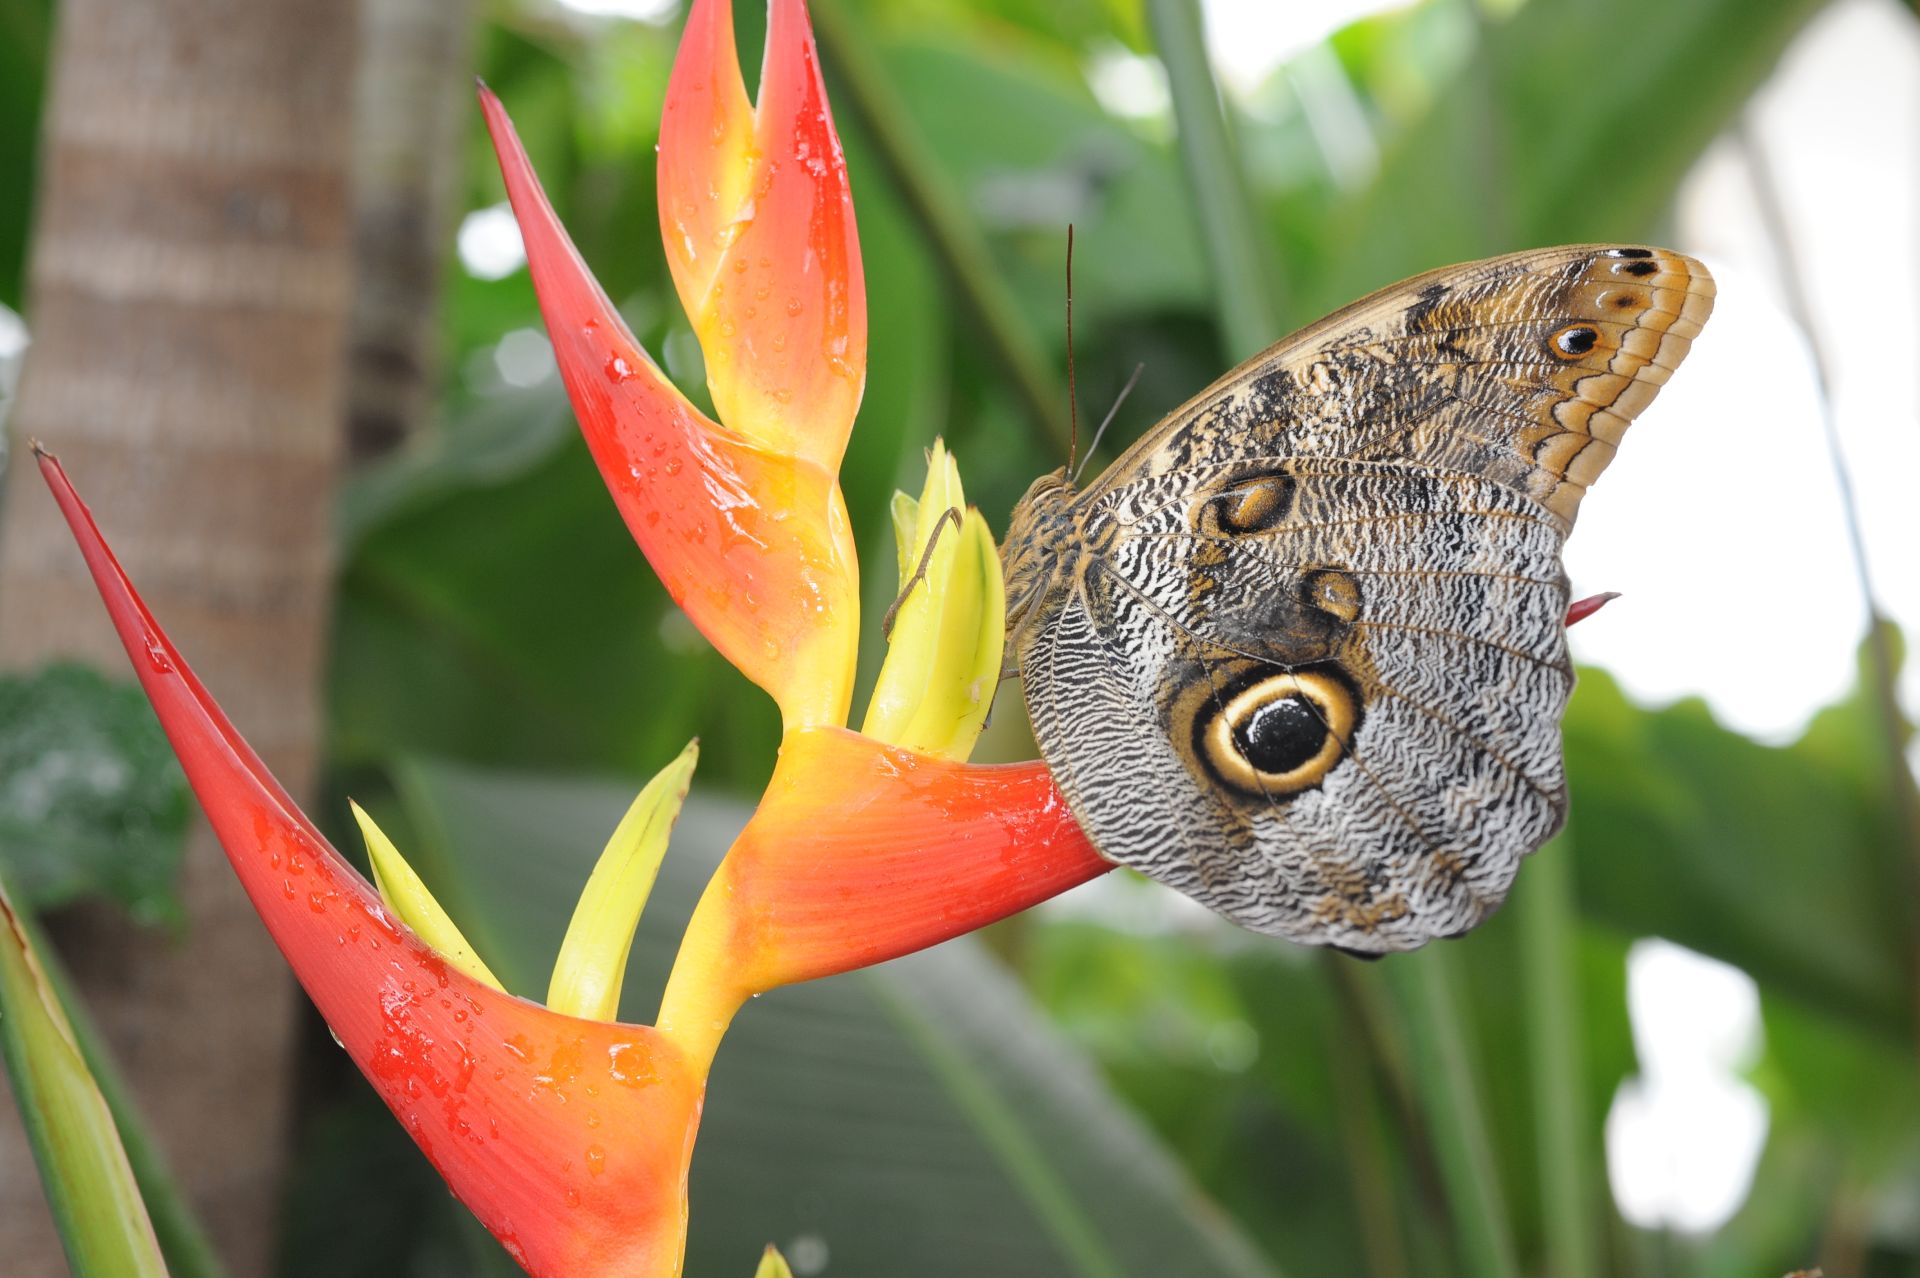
{"points": [[757, 218], [861, 852], [750, 541]]}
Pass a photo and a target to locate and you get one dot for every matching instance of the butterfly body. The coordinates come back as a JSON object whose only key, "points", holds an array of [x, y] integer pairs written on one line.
{"points": [[1300, 653]]}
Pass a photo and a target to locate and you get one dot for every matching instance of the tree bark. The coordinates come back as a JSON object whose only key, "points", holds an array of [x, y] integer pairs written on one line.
{"points": [[413, 104], [187, 295]]}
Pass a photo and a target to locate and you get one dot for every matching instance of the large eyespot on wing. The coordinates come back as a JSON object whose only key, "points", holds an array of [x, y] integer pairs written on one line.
{"points": [[1526, 369]]}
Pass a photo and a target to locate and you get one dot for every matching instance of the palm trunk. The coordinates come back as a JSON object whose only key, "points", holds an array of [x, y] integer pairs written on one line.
{"points": [[187, 294], [414, 105]]}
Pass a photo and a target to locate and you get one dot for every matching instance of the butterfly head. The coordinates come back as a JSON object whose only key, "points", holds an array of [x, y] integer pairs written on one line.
{"points": [[1037, 535]]}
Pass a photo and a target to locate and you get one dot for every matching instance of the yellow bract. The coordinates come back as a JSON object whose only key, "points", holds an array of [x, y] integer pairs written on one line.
{"points": [[943, 657], [593, 957], [408, 897]]}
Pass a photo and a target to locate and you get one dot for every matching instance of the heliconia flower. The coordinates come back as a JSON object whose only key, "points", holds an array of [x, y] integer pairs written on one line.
{"points": [[406, 895], [593, 956], [568, 1138]]}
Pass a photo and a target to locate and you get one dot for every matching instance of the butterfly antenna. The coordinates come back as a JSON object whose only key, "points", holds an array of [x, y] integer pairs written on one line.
{"points": [[1107, 421], [1073, 399]]}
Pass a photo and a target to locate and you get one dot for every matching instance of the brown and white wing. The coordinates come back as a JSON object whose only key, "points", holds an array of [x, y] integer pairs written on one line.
{"points": [[1526, 369], [1320, 696]]}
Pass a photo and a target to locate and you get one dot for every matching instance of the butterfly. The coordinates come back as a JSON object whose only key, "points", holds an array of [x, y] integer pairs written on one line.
{"points": [[1300, 652]]}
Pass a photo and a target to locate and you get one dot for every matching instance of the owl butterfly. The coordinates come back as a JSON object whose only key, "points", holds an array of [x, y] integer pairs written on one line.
{"points": [[1301, 651]]}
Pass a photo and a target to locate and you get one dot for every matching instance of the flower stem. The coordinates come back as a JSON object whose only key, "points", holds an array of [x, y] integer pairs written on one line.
{"points": [[1543, 906], [1445, 1077]]}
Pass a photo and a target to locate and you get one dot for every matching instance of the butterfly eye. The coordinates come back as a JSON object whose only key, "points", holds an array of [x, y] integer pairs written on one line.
{"points": [[1281, 734]]}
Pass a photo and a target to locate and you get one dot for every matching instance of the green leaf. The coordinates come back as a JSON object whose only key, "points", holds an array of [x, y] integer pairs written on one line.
{"points": [[1779, 860], [918, 1118], [89, 1183], [593, 955], [26, 28], [1566, 126], [91, 800]]}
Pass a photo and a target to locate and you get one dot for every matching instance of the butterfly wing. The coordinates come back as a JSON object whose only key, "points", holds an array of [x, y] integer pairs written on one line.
{"points": [[1306, 659], [1526, 369]]}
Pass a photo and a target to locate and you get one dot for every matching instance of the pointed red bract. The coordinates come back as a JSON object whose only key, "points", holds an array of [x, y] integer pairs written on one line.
{"points": [[757, 216], [569, 1139], [752, 544], [861, 852]]}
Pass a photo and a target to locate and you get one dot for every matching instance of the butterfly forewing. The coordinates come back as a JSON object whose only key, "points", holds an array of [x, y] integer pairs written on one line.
{"points": [[1300, 653], [1526, 369]]}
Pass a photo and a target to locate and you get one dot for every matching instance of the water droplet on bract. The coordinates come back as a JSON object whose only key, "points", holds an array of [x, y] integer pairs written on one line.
{"points": [[673, 466], [334, 1034], [157, 655], [596, 1160]]}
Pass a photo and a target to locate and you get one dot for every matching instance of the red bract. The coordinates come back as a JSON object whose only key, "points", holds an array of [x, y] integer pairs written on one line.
{"points": [[861, 852], [749, 536], [757, 218], [569, 1139]]}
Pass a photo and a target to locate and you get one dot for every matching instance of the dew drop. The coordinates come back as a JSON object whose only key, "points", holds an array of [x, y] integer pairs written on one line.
{"points": [[157, 655]]}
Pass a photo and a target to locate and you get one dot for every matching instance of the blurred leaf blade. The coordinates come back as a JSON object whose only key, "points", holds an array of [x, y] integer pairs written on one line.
{"points": [[1216, 182], [1666, 80], [89, 1183], [1707, 839], [1450, 1084], [1544, 906]]}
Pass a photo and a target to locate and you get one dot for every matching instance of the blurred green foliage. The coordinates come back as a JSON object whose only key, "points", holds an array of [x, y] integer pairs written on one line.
{"points": [[91, 800], [26, 27]]}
